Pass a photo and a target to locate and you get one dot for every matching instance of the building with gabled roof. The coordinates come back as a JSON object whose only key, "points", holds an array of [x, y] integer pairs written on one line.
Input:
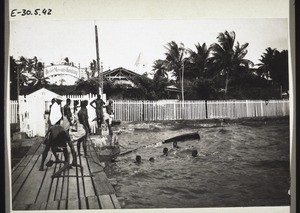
{"points": [[121, 76]]}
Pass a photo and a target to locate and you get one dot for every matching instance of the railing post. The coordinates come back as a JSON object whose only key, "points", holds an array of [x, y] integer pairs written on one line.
{"points": [[206, 112], [143, 111], [247, 110]]}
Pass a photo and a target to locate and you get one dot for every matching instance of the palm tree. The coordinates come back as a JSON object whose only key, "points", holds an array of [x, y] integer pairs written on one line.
{"points": [[280, 73], [24, 67], [274, 67], [37, 75], [21, 67], [226, 58], [93, 70], [160, 69], [198, 60], [266, 60], [174, 58]]}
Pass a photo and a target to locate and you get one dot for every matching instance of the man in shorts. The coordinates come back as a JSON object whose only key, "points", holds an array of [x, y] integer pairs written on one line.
{"points": [[99, 109], [58, 140], [83, 119], [108, 116], [67, 117]]}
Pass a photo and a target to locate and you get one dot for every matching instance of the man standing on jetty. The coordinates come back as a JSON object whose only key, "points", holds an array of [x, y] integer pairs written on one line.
{"points": [[99, 109], [67, 117], [84, 121], [108, 115]]}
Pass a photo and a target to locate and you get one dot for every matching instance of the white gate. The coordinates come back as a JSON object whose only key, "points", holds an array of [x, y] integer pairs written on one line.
{"points": [[32, 119]]}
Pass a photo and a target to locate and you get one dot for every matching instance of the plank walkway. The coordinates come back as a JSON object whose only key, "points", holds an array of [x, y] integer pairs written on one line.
{"points": [[75, 189]]}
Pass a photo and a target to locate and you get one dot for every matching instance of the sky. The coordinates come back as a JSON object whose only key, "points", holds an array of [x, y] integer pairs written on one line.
{"points": [[121, 41]]}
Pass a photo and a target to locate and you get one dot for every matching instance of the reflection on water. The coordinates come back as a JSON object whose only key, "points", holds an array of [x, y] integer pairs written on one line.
{"points": [[238, 164]]}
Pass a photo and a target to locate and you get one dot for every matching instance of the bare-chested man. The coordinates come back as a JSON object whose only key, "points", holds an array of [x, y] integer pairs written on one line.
{"points": [[99, 109]]}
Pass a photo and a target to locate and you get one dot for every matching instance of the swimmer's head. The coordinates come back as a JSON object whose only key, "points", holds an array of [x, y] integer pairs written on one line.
{"points": [[151, 159], [165, 151], [194, 153], [138, 159]]}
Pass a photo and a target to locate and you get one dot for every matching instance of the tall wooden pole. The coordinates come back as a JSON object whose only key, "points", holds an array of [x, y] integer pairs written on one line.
{"points": [[18, 98], [182, 76], [98, 62]]}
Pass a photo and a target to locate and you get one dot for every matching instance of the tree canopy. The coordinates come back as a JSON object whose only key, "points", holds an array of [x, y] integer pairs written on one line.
{"points": [[220, 70]]}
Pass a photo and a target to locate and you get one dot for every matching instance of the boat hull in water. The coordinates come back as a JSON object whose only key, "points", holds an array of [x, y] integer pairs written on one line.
{"points": [[184, 137]]}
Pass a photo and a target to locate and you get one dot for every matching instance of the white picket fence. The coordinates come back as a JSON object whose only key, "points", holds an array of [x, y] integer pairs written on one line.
{"points": [[33, 118], [13, 111], [247, 108], [132, 110]]}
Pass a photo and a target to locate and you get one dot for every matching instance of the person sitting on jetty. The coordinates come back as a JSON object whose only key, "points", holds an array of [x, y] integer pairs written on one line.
{"points": [[99, 109], [84, 120], [57, 140]]}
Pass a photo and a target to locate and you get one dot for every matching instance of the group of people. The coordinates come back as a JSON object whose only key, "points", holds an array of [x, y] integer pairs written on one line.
{"points": [[138, 158], [66, 127]]}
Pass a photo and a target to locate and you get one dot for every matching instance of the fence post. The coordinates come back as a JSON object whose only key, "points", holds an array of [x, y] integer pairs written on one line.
{"points": [[247, 110], [143, 111], [262, 110], [206, 113]]}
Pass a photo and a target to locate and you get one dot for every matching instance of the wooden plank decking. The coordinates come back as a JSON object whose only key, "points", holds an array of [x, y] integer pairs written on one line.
{"points": [[76, 189]]}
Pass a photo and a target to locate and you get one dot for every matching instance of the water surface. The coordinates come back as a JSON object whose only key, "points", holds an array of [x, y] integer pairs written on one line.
{"points": [[239, 163]]}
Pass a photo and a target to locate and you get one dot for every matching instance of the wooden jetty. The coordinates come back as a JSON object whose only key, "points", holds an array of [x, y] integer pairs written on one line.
{"points": [[75, 189]]}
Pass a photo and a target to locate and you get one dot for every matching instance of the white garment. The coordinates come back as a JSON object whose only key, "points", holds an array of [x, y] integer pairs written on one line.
{"points": [[108, 117], [80, 131], [78, 134], [55, 114]]}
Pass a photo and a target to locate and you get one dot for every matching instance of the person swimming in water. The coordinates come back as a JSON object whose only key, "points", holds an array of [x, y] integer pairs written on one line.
{"points": [[175, 145], [138, 159], [194, 153], [151, 159], [165, 151]]}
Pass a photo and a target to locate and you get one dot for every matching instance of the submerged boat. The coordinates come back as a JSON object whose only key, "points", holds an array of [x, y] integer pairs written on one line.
{"points": [[184, 137]]}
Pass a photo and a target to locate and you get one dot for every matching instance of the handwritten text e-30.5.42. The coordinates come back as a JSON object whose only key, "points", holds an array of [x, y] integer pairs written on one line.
{"points": [[36, 12]]}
